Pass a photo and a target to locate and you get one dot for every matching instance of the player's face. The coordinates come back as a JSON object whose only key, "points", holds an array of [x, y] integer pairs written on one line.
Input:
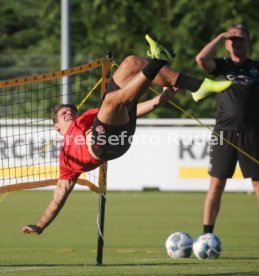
{"points": [[65, 117]]}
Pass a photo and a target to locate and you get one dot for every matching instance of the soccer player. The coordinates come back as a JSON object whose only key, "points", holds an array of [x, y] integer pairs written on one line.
{"points": [[106, 133], [237, 116]]}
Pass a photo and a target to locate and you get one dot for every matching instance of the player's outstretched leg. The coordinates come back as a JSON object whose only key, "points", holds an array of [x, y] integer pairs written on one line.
{"points": [[157, 50], [114, 108], [209, 87]]}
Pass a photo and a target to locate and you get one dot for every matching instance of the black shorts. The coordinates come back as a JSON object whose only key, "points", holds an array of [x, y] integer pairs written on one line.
{"points": [[110, 142], [224, 157]]}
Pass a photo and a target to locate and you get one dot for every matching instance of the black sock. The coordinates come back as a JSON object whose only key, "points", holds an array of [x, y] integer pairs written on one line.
{"points": [[153, 67], [189, 83], [208, 228]]}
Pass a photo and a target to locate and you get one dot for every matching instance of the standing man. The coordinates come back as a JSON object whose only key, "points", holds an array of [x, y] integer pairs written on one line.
{"points": [[237, 116]]}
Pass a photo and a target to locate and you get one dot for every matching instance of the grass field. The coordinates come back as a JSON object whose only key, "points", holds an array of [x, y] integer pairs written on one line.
{"points": [[136, 227]]}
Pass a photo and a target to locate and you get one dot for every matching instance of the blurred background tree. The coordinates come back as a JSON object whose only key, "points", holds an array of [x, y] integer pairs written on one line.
{"points": [[30, 35]]}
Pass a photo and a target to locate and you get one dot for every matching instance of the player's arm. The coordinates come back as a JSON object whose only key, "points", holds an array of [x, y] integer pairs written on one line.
{"points": [[61, 193], [205, 58], [150, 105]]}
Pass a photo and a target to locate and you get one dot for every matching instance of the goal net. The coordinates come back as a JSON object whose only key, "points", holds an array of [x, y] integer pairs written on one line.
{"points": [[29, 145]]}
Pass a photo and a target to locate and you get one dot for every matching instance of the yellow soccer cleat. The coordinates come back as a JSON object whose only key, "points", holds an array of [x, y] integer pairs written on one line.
{"points": [[208, 87], [157, 50]]}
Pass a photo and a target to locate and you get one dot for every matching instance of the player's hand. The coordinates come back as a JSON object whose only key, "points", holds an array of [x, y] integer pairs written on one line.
{"points": [[167, 94], [227, 35], [31, 229], [224, 35]]}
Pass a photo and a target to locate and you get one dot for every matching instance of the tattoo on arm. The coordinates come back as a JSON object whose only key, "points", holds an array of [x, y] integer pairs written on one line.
{"points": [[61, 193]]}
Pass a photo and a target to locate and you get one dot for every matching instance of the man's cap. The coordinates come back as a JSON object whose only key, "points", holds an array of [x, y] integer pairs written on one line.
{"points": [[239, 30]]}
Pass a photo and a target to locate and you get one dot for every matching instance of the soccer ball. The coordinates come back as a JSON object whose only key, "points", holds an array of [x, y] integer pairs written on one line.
{"points": [[179, 245], [207, 246]]}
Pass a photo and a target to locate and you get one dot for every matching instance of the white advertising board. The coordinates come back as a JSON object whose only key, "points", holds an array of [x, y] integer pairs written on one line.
{"points": [[169, 157], [166, 154]]}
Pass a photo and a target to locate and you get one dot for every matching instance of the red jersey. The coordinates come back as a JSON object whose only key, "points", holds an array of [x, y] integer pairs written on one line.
{"points": [[74, 156]]}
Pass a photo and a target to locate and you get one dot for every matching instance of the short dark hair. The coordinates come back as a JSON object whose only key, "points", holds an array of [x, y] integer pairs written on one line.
{"points": [[242, 27], [56, 109]]}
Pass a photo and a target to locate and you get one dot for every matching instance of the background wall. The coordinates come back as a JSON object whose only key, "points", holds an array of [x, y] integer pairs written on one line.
{"points": [[166, 154], [170, 155]]}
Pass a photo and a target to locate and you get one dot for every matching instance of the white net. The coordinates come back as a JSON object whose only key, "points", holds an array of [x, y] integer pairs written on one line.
{"points": [[29, 145]]}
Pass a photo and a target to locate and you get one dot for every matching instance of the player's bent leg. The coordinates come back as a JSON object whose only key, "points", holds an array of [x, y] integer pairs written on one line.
{"points": [[113, 110], [209, 87], [213, 200], [132, 65], [128, 69]]}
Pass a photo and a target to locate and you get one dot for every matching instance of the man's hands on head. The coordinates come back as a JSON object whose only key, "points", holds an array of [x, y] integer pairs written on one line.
{"points": [[229, 34], [32, 229]]}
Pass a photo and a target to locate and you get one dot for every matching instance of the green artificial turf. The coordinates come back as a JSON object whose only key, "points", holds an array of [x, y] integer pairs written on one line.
{"points": [[136, 227]]}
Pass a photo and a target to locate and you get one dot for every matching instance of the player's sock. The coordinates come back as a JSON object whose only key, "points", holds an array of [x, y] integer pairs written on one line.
{"points": [[153, 67], [187, 82], [208, 228]]}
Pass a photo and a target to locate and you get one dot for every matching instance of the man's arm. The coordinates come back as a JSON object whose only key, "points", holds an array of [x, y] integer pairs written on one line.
{"points": [[61, 193], [205, 58], [150, 105]]}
